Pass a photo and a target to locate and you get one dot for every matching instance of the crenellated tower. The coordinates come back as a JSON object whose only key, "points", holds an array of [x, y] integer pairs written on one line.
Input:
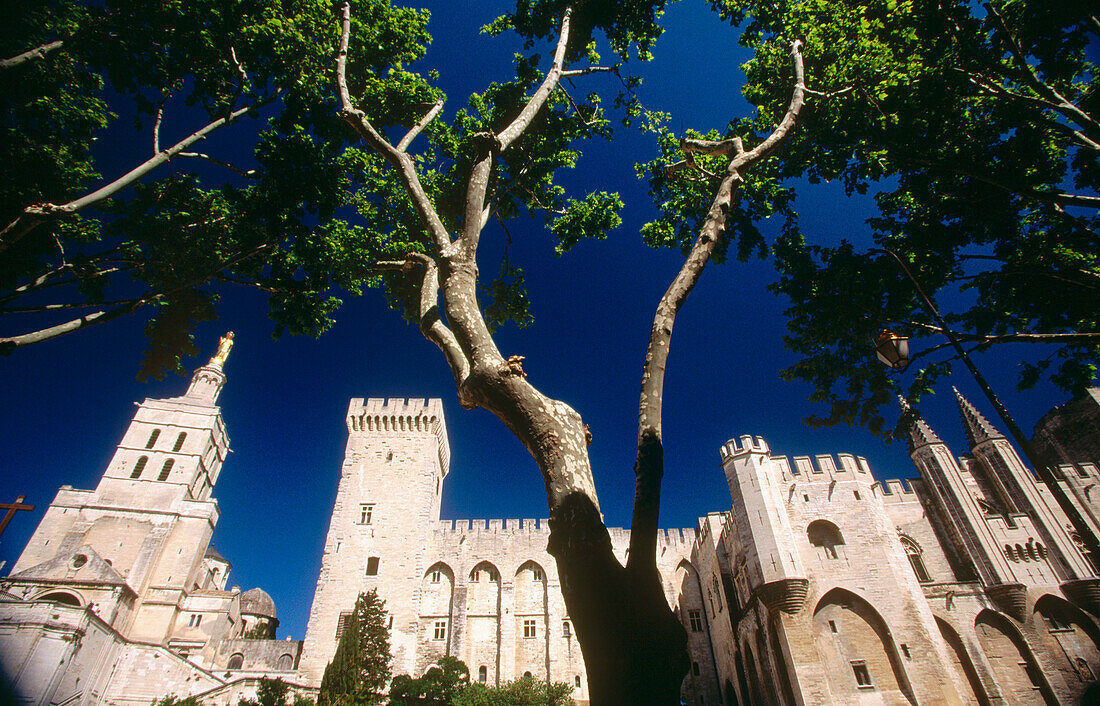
{"points": [[387, 506], [772, 564]]}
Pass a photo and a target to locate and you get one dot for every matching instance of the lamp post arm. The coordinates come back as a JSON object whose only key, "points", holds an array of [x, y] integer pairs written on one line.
{"points": [[1046, 474]]}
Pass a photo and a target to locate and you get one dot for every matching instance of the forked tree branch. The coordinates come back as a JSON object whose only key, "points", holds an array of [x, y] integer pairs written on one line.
{"points": [[430, 323], [1032, 79], [398, 159], [649, 467], [477, 211], [10, 343], [37, 214]]}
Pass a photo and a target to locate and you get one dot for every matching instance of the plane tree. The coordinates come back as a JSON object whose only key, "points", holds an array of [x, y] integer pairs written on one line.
{"points": [[498, 158], [975, 126]]}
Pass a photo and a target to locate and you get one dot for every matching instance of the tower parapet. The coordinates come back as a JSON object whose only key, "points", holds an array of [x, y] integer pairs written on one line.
{"points": [[384, 416]]}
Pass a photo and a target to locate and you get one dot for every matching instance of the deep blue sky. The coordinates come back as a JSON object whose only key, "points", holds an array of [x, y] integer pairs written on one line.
{"points": [[69, 401]]}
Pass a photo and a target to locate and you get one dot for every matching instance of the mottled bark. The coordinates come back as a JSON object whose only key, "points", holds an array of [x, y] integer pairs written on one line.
{"points": [[634, 647]]}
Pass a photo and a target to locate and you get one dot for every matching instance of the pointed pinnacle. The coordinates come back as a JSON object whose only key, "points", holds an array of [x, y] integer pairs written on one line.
{"points": [[920, 434], [978, 428]]}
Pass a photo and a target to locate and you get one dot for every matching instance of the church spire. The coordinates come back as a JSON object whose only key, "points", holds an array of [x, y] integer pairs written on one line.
{"points": [[978, 428], [920, 434], [206, 383]]}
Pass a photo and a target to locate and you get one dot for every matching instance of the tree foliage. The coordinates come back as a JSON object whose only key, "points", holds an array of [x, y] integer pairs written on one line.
{"points": [[360, 668], [443, 681], [447, 683], [87, 236], [975, 128], [522, 692], [274, 692]]}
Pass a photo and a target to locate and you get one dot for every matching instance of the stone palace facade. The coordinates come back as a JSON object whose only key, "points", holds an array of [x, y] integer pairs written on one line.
{"points": [[820, 584]]}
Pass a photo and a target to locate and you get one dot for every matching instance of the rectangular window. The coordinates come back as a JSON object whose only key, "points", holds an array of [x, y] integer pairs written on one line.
{"points": [[366, 510], [529, 627], [695, 668], [194, 621], [342, 624], [440, 631], [372, 566], [863, 677], [696, 620], [832, 626]]}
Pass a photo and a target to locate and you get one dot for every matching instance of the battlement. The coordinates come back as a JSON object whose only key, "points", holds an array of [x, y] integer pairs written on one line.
{"points": [[820, 466], [746, 444], [897, 490], [512, 527], [379, 415]]}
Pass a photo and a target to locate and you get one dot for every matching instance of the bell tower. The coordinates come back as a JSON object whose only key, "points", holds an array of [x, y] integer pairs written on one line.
{"points": [[150, 519]]}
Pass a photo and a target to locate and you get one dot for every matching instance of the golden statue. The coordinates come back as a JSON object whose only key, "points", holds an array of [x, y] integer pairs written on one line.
{"points": [[225, 344]]}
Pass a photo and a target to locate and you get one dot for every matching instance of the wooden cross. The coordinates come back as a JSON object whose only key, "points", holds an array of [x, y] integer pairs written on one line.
{"points": [[12, 508]]}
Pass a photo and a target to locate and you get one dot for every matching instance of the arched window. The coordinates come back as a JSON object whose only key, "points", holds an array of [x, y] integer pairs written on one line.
{"points": [[235, 662], [482, 674], [60, 597], [179, 441], [152, 439], [913, 552], [166, 469], [527, 674], [285, 663], [139, 467], [577, 681], [826, 535]]}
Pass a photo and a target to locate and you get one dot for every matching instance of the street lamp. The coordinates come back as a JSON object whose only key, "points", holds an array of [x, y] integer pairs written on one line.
{"points": [[893, 350]]}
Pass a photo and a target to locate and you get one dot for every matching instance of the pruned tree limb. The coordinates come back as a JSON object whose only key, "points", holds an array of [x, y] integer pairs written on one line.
{"points": [[420, 125], [248, 174], [36, 53], [589, 70]]}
